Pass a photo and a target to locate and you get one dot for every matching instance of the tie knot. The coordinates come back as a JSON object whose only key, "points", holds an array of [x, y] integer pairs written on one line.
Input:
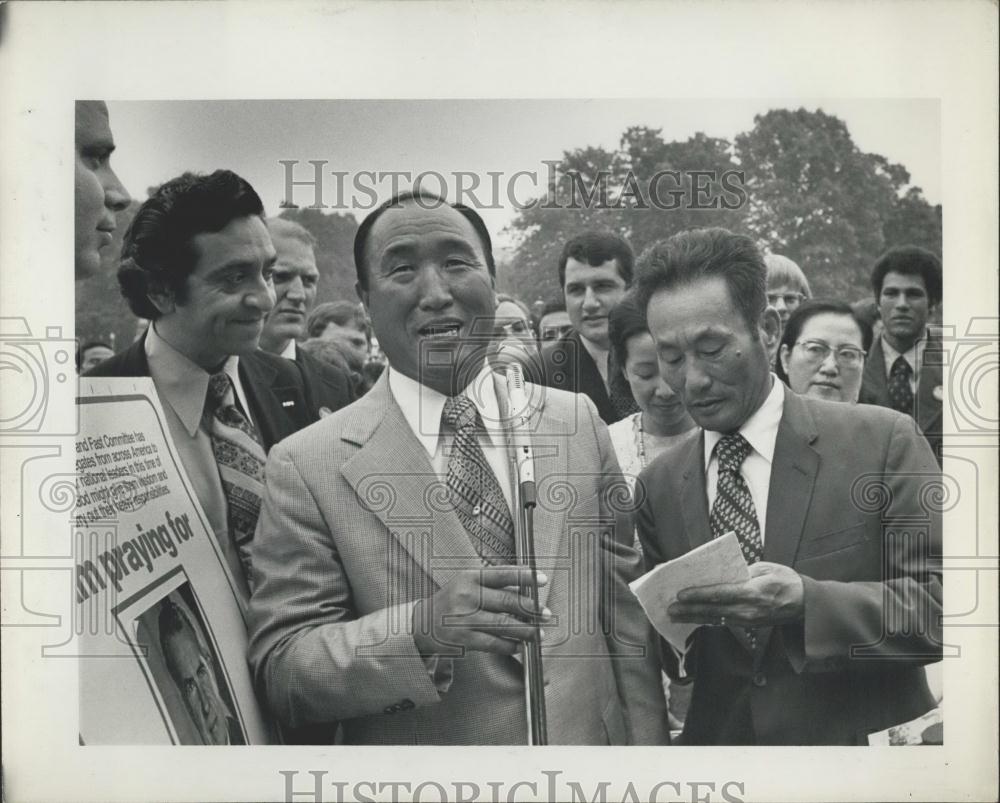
{"points": [[900, 367], [731, 451], [460, 413], [218, 388]]}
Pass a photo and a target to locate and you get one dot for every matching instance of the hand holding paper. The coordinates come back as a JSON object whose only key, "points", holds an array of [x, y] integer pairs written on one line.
{"points": [[720, 561], [772, 595]]}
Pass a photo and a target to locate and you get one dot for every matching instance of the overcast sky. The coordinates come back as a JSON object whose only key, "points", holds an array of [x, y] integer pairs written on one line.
{"points": [[161, 139]]}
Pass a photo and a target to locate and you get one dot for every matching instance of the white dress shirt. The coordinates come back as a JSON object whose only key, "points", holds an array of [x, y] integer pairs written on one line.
{"points": [[288, 352], [761, 432], [422, 407], [914, 357], [183, 388]]}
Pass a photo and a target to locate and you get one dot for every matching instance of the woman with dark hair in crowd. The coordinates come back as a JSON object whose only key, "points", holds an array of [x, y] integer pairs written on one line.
{"points": [[822, 351], [662, 419]]}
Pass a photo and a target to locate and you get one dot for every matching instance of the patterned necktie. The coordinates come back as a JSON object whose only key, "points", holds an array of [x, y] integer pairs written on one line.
{"points": [[240, 459], [900, 391], [733, 508], [473, 488]]}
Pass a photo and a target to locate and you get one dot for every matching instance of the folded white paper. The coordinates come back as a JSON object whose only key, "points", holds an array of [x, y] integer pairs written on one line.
{"points": [[718, 561]]}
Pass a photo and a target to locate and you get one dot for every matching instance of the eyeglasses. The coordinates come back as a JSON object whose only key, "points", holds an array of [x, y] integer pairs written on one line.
{"points": [[790, 299], [846, 356]]}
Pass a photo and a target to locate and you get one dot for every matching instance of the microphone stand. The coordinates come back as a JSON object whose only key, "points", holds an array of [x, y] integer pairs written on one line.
{"points": [[524, 504]]}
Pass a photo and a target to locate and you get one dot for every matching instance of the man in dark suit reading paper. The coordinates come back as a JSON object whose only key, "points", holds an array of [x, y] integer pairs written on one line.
{"points": [[826, 642]]}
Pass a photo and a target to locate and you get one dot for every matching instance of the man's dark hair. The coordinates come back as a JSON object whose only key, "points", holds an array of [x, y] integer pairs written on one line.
{"points": [[595, 248], [426, 200], [81, 353], [697, 254], [158, 254], [626, 319], [909, 260], [810, 309]]}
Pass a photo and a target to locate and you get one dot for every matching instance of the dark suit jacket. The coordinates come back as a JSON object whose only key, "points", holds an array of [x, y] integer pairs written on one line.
{"points": [[926, 405], [329, 387], [849, 509], [276, 392], [567, 365]]}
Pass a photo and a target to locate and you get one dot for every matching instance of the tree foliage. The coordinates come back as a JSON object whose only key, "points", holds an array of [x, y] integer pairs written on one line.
{"points": [[809, 193]]}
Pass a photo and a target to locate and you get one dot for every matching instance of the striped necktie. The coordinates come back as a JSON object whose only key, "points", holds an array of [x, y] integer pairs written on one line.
{"points": [[240, 459], [473, 487], [733, 508]]}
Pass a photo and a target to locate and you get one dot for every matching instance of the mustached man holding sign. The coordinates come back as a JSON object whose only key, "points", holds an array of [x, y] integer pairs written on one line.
{"points": [[197, 262], [826, 641], [387, 581]]}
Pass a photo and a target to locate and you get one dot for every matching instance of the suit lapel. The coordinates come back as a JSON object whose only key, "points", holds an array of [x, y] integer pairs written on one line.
{"points": [[694, 498], [589, 377], [929, 387], [875, 388], [278, 409], [394, 479], [793, 474]]}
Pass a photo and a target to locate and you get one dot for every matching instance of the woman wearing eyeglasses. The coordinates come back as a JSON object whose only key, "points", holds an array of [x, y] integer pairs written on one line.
{"points": [[822, 351]]}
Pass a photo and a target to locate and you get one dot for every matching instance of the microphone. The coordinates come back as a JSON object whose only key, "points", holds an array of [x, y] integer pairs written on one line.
{"points": [[511, 354], [520, 429]]}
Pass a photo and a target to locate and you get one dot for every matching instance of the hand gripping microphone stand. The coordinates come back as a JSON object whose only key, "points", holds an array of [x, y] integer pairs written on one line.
{"points": [[524, 505]]}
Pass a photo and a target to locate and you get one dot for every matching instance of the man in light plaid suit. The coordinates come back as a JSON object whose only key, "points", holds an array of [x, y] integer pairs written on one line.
{"points": [[380, 601]]}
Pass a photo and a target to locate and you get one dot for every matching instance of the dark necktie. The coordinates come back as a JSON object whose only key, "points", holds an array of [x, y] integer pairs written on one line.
{"points": [[900, 391], [733, 508], [240, 459], [619, 393], [473, 488]]}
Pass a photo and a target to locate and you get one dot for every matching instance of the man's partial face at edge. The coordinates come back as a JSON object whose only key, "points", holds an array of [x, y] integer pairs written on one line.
{"points": [[98, 192], [711, 360], [430, 294], [296, 280]]}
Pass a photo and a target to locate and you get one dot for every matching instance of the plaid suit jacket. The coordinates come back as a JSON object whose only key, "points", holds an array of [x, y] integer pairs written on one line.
{"points": [[353, 533]]}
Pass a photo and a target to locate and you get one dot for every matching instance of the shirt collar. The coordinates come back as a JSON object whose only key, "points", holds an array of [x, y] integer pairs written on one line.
{"points": [[288, 352], [422, 406], [181, 383], [913, 356], [760, 429]]}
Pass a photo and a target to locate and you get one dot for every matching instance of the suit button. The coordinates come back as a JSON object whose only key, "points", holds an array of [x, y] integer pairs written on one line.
{"points": [[759, 679]]}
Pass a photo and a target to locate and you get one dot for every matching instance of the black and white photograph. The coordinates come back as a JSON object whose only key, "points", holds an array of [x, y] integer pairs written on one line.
{"points": [[181, 661], [580, 401]]}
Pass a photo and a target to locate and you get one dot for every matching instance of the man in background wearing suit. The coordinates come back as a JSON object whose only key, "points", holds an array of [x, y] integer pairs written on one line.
{"points": [[296, 279], [903, 369], [197, 263], [385, 568], [595, 270], [826, 642]]}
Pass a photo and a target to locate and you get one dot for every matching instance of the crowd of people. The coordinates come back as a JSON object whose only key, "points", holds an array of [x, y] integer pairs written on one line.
{"points": [[702, 377]]}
